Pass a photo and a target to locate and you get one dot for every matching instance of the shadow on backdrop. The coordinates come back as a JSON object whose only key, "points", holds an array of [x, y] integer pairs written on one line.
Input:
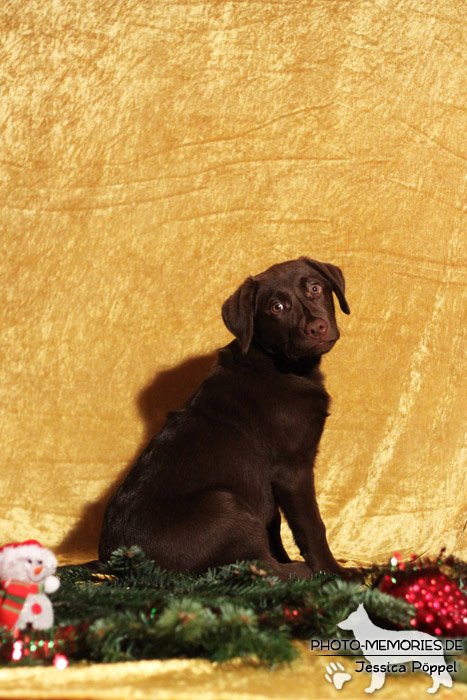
{"points": [[169, 390]]}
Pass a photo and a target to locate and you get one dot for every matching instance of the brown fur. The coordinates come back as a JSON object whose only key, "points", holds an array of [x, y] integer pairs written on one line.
{"points": [[208, 488]]}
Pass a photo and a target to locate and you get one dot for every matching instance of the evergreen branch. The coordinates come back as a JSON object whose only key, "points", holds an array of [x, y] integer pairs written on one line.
{"points": [[133, 610]]}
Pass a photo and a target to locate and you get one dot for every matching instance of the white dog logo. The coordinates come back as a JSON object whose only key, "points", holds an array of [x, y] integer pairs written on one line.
{"points": [[404, 647]]}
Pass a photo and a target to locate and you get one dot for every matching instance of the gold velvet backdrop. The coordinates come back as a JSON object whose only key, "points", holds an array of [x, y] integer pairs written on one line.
{"points": [[154, 154]]}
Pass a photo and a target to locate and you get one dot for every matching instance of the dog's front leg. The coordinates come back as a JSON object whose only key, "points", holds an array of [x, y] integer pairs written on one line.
{"points": [[275, 540], [377, 681], [295, 493]]}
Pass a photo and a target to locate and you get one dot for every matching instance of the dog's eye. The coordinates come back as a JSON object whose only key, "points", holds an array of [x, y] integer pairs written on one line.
{"points": [[315, 289], [277, 307]]}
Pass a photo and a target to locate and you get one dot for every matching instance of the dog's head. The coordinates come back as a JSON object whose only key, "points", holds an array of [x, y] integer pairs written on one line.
{"points": [[288, 309], [357, 619]]}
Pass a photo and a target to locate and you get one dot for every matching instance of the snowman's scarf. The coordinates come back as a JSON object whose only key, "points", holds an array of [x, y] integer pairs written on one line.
{"points": [[13, 595]]}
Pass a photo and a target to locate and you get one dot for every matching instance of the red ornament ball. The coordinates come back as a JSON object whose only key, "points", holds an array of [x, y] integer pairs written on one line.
{"points": [[440, 606]]}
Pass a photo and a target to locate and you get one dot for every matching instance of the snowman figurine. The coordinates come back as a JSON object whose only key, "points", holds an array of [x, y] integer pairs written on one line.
{"points": [[26, 576]]}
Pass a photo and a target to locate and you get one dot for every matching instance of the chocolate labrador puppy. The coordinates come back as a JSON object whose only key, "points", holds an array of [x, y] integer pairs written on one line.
{"points": [[208, 488]]}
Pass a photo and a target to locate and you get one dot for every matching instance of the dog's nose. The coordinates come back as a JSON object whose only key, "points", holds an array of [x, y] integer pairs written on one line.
{"points": [[317, 328]]}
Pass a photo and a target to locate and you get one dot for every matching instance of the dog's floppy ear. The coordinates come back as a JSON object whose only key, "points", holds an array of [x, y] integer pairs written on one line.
{"points": [[335, 278], [238, 312]]}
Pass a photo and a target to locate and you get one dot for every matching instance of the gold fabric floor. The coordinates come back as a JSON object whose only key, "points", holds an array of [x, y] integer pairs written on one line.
{"points": [[183, 679]]}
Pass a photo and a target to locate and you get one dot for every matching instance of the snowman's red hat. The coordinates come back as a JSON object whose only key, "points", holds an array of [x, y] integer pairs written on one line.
{"points": [[26, 543]]}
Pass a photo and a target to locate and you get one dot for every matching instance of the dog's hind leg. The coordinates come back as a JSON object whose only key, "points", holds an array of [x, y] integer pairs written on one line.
{"points": [[377, 681], [235, 534], [440, 678], [208, 530]]}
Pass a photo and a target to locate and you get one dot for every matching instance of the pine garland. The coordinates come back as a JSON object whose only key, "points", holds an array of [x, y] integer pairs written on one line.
{"points": [[134, 610]]}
